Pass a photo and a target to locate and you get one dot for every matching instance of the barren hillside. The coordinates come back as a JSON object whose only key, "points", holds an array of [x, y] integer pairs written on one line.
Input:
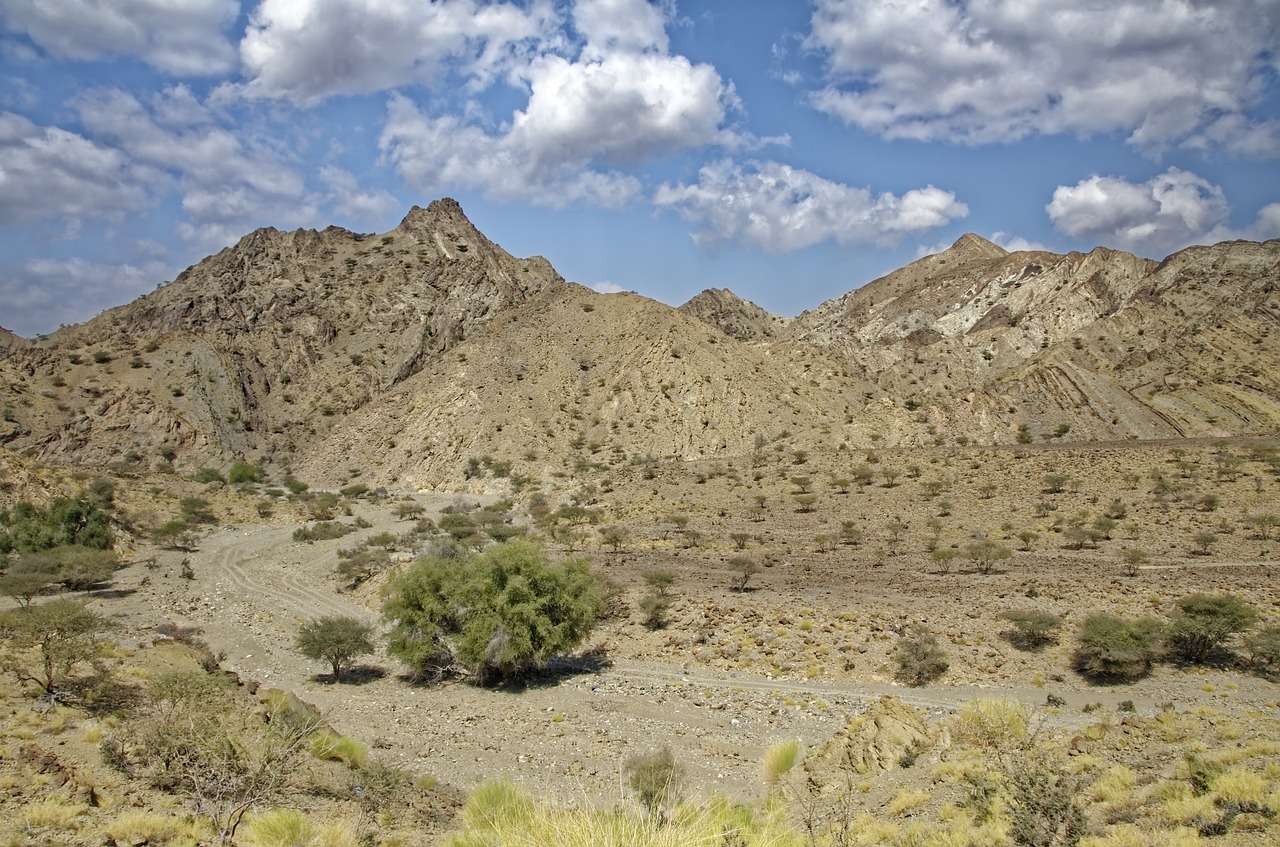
{"points": [[410, 355]]}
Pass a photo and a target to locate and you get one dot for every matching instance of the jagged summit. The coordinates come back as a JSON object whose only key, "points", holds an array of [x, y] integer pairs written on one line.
{"points": [[733, 315], [975, 245]]}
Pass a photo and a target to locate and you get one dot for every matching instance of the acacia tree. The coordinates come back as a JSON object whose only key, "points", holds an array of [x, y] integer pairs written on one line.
{"points": [[745, 567], [492, 616], [985, 553], [1205, 622], [1116, 649], [336, 639], [62, 634]]}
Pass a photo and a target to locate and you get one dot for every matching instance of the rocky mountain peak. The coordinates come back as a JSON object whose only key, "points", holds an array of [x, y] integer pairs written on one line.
{"points": [[975, 246], [732, 315]]}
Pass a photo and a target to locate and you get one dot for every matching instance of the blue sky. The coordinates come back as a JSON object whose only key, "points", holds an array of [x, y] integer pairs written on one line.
{"points": [[789, 151]]}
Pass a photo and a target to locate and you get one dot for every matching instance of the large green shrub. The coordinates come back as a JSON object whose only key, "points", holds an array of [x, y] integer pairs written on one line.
{"points": [[82, 520], [493, 615], [1114, 649], [1205, 622]]}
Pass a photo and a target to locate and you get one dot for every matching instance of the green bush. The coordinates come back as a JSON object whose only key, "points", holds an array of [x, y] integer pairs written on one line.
{"points": [[242, 472], [84, 520], [323, 531], [208, 475], [495, 615], [82, 568], [1264, 648], [1205, 622], [1114, 649], [1033, 628], [655, 779], [919, 656]]}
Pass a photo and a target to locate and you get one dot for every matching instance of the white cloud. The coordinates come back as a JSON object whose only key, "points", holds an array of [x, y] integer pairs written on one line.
{"points": [[1166, 213], [625, 107], [41, 294], [444, 154], [623, 101], [1165, 72], [47, 172], [353, 202], [307, 50], [229, 182], [1016, 243], [184, 37], [780, 209], [606, 287], [612, 26]]}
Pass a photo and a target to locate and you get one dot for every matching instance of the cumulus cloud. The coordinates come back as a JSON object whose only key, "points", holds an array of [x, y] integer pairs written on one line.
{"points": [[352, 201], [1165, 72], [606, 287], [1166, 213], [42, 294], [229, 182], [611, 26], [623, 100], [183, 37], [307, 50], [780, 209], [49, 172], [445, 153]]}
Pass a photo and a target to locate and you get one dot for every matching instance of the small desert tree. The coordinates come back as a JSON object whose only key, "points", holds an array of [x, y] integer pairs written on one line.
{"points": [[1114, 649], [1033, 628], [614, 536], [919, 656], [494, 615], [1264, 649], [195, 738], [744, 567], [336, 639], [1133, 559], [657, 602], [985, 553], [1206, 622], [28, 576], [84, 567], [45, 643]]}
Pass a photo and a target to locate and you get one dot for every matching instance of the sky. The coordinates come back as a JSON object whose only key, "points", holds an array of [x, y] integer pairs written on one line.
{"points": [[790, 151]]}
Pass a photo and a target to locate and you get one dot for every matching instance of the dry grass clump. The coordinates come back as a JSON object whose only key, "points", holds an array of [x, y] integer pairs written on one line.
{"points": [[142, 826], [500, 814]]}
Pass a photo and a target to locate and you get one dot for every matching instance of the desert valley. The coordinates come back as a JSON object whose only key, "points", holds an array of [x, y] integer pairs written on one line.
{"points": [[981, 552]]}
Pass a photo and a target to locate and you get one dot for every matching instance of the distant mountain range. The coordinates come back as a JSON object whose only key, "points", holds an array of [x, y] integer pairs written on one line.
{"points": [[413, 354]]}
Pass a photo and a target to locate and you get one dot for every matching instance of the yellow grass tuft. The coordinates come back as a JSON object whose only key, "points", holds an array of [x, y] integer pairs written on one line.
{"points": [[332, 747], [991, 724], [779, 759], [905, 800], [53, 813], [138, 826]]}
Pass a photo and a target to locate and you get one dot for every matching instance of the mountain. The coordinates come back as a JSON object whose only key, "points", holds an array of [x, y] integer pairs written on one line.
{"points": [[413, 356], [734, 316]]}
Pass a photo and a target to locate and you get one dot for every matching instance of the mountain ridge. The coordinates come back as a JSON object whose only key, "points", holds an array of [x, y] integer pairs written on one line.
{"points": [[414, 352]]}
